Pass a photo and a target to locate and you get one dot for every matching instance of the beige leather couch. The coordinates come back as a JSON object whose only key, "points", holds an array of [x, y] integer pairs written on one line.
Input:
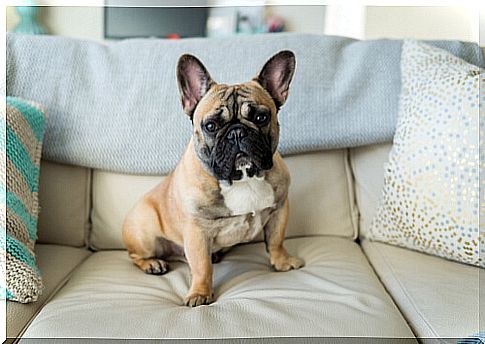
{"points": [[350, 287]]}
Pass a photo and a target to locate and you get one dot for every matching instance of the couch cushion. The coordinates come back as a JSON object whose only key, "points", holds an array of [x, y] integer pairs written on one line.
{"points": [[321, 201], [368, 168], [430, 202], [335, 294], [64, 199], [55, 264], [439, 298]]}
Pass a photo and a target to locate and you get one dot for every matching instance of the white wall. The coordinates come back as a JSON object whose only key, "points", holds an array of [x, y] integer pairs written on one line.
{"points": [[78, 22], [12, 18], [451, 22], [345, 20]]}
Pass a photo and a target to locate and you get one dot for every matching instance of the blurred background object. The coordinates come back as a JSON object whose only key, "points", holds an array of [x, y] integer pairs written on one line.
{"points": [[161, 22], [27, 23], [115, 19]]}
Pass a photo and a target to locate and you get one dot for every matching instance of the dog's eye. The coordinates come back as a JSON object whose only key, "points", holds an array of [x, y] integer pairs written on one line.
{"points": [[261, 118], [211, 126]]}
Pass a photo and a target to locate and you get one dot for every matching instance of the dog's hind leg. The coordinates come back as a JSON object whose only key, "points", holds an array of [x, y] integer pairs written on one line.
{"points": [[153, 266], [142, 237], [148, 257], [217, 256]]}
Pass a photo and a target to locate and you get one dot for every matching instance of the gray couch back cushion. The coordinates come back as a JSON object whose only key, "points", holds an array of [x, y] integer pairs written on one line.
{"points": [[116, 106]]}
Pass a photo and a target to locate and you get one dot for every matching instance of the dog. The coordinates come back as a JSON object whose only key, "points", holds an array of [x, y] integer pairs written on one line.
{"points": [[230, 184]]}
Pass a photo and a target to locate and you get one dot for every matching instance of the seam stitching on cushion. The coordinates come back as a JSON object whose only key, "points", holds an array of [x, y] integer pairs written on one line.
{"points": [[92, 211], [88, 204], [356, 192], [353, 208], [403, 289], [54, 292]]}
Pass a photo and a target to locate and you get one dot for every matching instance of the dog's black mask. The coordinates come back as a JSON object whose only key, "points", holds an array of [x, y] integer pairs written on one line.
{"points": [[238, 150]]}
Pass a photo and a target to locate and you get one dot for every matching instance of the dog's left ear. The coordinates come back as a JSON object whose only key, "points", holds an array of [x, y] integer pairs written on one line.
{"points": [[193, 80], [276, 76]]}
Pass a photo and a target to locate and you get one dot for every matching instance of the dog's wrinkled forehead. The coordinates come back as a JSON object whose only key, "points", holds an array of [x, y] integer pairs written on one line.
{"points": [[230, 102]]}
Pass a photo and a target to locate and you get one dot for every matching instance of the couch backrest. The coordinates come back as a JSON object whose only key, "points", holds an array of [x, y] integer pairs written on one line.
{"points": [[322, 201], [65, 203], [368, 165]]}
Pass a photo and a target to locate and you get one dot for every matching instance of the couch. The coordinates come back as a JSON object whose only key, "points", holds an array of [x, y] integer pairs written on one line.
{"points": [[350, 288]]}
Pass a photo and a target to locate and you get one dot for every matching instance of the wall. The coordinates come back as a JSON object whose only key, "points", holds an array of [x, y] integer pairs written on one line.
{"points": [[459, 23], [345, 20], [78, 22], [390, 22], [72, 21]]}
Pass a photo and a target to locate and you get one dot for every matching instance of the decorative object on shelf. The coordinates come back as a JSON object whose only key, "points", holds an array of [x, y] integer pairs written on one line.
{"points": [[227, 20], [250, 20], [275, 24], [28, 21], [221, 21]]}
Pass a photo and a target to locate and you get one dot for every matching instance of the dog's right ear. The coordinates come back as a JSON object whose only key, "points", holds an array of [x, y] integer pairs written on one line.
{"points": [[193, 81], [276, 76]]}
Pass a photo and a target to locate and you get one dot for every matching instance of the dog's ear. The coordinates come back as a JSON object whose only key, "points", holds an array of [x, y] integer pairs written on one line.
{"points": [[193, 81], [276, 75]]}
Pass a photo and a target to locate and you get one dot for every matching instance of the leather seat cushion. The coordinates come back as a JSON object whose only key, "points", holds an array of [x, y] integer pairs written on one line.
{"points": [[438, 297], [335, 294], [55, 264]]}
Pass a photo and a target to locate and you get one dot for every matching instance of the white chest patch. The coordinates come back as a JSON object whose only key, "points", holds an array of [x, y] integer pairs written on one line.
{"points": [[248, 195]]}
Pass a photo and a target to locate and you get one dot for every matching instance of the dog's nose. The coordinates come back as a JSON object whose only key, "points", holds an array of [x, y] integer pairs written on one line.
{"points": [[236, 134]]}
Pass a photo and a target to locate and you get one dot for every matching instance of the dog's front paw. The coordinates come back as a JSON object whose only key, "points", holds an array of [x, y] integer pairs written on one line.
{"points": [[286, 263], [198, 299]]}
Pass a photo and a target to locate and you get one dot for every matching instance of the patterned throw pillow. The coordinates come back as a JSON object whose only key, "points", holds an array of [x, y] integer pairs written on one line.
{"points": [[24, 132], [430, 200]]}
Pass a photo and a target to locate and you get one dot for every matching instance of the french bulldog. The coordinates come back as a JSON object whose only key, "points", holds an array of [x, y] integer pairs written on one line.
{"points": [[230, 184]]}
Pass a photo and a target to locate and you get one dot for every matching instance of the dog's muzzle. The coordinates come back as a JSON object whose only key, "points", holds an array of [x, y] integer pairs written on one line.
{"points": [[241, 151], [236, 133]]}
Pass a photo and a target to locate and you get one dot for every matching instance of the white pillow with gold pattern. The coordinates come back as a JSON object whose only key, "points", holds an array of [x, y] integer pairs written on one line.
{"points": [[430, 200]]}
